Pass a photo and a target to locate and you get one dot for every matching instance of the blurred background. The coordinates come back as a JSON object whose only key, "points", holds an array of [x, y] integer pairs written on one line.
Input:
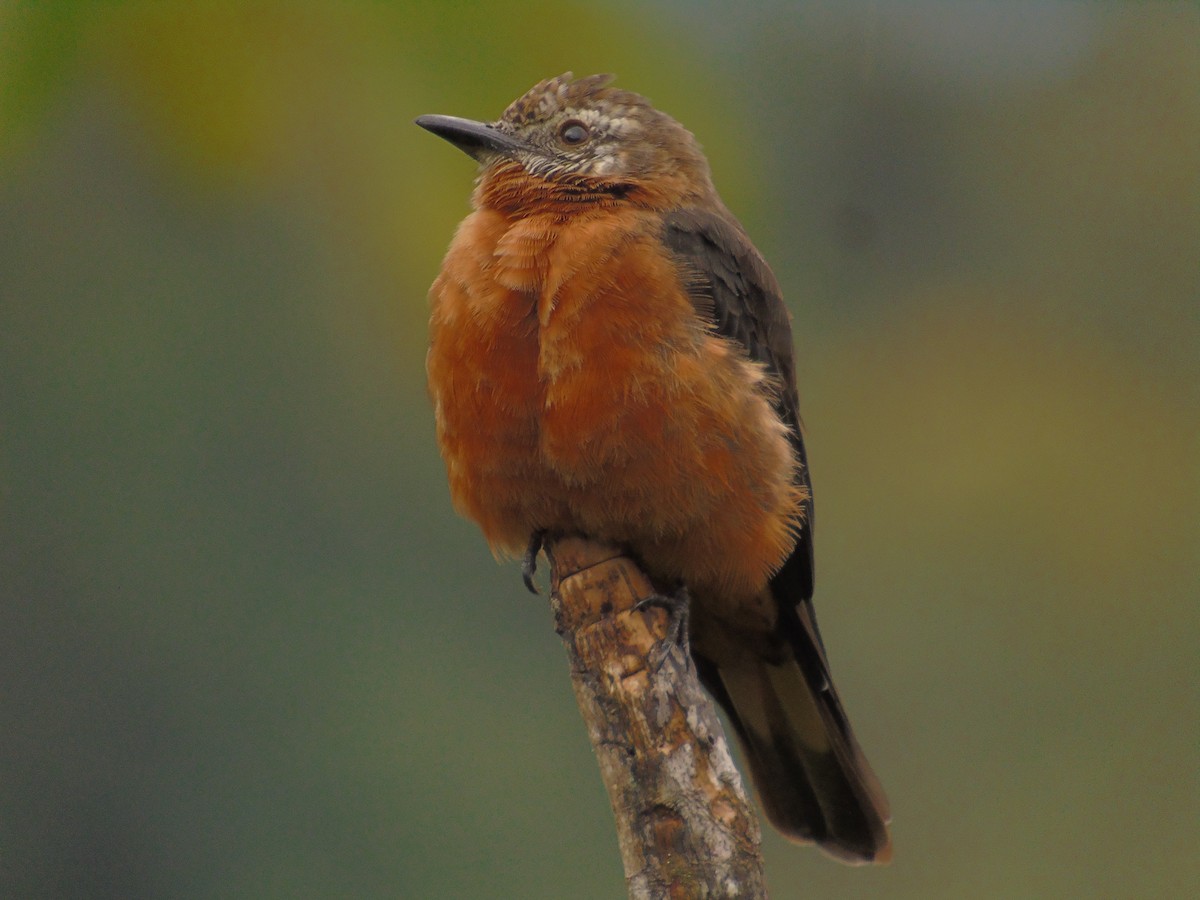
{"points": [[248, 650]]}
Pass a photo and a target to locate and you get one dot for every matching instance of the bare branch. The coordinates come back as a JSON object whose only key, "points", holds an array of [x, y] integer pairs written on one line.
{"points": [[684, 825]]}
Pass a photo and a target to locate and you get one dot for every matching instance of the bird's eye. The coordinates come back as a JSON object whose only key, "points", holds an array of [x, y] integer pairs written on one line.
{"points": [[573, 132]]}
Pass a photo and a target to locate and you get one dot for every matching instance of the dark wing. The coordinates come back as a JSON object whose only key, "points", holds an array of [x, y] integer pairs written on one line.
{"points": [[733, 288], [813, 779]]}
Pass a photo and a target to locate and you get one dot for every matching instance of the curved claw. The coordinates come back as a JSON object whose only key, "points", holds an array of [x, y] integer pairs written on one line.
{"points": [[678, 607], [529, 563]]}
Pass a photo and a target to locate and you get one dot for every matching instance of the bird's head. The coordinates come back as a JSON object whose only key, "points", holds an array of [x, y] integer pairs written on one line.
{"points": [[584, 138]]}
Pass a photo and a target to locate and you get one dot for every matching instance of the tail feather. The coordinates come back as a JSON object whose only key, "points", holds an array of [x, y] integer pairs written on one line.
{"points": [[812, 778]]}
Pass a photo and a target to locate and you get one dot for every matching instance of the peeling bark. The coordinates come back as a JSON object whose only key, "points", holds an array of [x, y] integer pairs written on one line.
{"points": [[684, 826]]}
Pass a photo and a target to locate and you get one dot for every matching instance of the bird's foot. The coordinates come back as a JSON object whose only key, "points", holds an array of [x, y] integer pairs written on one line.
{"points": [[678, 607], [529, 562]]}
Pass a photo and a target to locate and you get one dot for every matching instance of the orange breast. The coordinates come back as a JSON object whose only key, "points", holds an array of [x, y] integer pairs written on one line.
{"points": [[482, 367], [576, 390]]}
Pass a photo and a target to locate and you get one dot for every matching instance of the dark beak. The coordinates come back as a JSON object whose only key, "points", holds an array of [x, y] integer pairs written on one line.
{"points": [[476, 139]]}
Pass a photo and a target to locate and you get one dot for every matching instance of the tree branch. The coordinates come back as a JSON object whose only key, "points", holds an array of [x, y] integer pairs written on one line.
{"points": [[684, 826]]}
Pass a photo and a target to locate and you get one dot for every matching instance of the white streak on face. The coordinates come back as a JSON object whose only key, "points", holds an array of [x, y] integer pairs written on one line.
{"points": [[610, 128], [609, 123], [605, 165], [623, 127]]}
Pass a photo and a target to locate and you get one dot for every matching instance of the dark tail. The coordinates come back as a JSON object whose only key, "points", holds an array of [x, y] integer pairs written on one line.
{"points": [[812, 778]]}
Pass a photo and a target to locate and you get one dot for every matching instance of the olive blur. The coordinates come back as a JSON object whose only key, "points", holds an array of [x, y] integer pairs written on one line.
{"points": [[247, 649]]}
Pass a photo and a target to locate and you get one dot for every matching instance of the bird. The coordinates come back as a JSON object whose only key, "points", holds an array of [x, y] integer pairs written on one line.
{"points": [[611, 356]]}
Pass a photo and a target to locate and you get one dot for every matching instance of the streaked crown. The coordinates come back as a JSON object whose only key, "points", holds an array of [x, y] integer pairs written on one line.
{"points": [[585, 129]]}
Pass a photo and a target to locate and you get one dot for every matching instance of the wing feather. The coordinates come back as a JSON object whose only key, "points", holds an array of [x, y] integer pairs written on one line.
{"points": [[734, 290]]}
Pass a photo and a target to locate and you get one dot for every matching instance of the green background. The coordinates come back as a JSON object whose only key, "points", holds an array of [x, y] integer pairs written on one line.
{"points": [[248, 650]]}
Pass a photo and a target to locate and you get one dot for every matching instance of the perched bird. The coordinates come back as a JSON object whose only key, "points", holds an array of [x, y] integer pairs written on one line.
{"points": [[611, 356]]}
